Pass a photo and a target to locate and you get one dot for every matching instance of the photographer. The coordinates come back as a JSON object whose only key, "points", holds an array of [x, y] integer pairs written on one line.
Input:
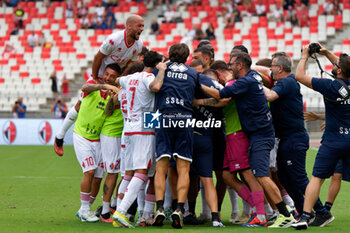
{"points": [[19, 109], [336, 137], [59, 108]]}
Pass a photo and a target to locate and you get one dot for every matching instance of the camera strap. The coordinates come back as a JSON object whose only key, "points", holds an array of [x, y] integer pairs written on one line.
{"points": [[335, 78]]}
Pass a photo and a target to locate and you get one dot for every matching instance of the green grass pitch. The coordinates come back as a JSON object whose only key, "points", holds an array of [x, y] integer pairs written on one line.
{"points": [[40, 192]]}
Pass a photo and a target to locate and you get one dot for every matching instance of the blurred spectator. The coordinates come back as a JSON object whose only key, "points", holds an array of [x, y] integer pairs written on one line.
{"points": [[210, 32], [276, 15], [260, 9], [11, 3], [47, 3], [199, 34], [101, 24], [59, 108], [32, 39], [42, 40], [225, 9], [95, 21], [305, 2], [19, 109], [84, 21], [233, 17], [155, 30], [293, 18], [70, 9], [65, 86], [336, 8], [303, 16], [185, 2], [190, 35], [328, 7], [169, 15], [249, 10], [114, 2], [100, 10], [288, 4], [53, 78], [82, 10], [110, 19], [19, 13]]}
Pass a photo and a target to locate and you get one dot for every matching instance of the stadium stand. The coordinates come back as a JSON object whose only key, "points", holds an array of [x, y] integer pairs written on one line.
{"points": [[24, 70]]}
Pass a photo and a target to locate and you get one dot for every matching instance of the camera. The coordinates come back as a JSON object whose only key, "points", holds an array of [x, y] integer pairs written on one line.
{"points": [[314, 48], [58, 101], [16, 102]]}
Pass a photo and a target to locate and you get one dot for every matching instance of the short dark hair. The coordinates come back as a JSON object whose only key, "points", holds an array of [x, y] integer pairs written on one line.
{"points": [[283, 59], [241, 48], [219, 65], [264, 62], [144, 51], [134, 67], [152, 58], [243, 58], [204, 51], [344, 64], [211, 72], [207, 44], [179, 53], [196, 62], [115, 67]]}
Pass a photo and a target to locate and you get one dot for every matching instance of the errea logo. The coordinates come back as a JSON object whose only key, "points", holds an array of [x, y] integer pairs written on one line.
{"points": [[178, 67]]}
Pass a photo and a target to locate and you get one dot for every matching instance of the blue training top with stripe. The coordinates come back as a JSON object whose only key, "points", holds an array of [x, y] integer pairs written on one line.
{"points": [[252, 108]]}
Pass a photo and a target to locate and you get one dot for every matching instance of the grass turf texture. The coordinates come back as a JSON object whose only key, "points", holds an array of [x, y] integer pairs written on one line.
{"points": [[40, 192]]}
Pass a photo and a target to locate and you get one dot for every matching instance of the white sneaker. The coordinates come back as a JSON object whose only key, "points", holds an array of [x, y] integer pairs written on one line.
{"points": [[234, 217], [218, 224], [87, 216]]}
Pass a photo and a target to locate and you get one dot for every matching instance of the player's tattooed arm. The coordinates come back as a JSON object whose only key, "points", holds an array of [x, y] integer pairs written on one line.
{"points": [[110, 107], [88, 88], [157, 83], [210, 91], [211, 102]]}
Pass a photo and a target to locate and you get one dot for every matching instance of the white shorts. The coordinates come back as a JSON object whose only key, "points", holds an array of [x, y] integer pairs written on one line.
{"points": [[273, 155], [125, 159], [110, 149], [141, 150], [88, 154]]}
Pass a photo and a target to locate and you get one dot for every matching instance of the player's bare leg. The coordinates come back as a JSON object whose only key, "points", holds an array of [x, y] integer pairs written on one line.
{"points": [[159, 185], [67, 123]]}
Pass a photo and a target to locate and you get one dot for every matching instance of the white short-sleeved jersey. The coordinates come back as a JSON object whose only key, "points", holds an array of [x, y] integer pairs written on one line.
{"points": [[123, 102], [118, 51], [140, 99]]}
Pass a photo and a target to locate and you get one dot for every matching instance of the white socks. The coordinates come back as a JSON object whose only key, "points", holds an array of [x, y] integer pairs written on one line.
{"points": [[67, 123], [105, 207], [234, 200], [131, 192], [122, 187]]}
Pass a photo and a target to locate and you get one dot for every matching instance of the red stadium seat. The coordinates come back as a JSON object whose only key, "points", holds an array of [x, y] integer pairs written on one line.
{"points": [[36, 80]]}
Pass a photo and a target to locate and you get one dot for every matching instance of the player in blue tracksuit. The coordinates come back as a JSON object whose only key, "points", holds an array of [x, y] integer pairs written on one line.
{"points": [[288, 120], [336, 137], [256, 122], [203, 147], [174, 139]]}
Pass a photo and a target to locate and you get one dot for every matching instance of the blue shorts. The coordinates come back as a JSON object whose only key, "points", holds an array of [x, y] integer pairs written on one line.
{"points": [[339, 167], [219, 146], [327, 158], [202, 163], [259, 155], [174, 143]]}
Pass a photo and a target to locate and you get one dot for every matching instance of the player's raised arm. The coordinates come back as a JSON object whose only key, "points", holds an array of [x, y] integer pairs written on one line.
{"points": [[270, 94], [96, 64], [300, 74], [157, 83]]}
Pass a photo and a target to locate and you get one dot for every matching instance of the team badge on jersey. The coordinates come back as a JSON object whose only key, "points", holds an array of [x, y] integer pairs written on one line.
{"points": [[9, 132], [178, 67], [151, 120]]}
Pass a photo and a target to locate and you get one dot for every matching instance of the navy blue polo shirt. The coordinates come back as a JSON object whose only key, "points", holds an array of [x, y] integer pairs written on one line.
{"points": [[287, 110], [252, 108], [178, 90], [337, 114]]}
